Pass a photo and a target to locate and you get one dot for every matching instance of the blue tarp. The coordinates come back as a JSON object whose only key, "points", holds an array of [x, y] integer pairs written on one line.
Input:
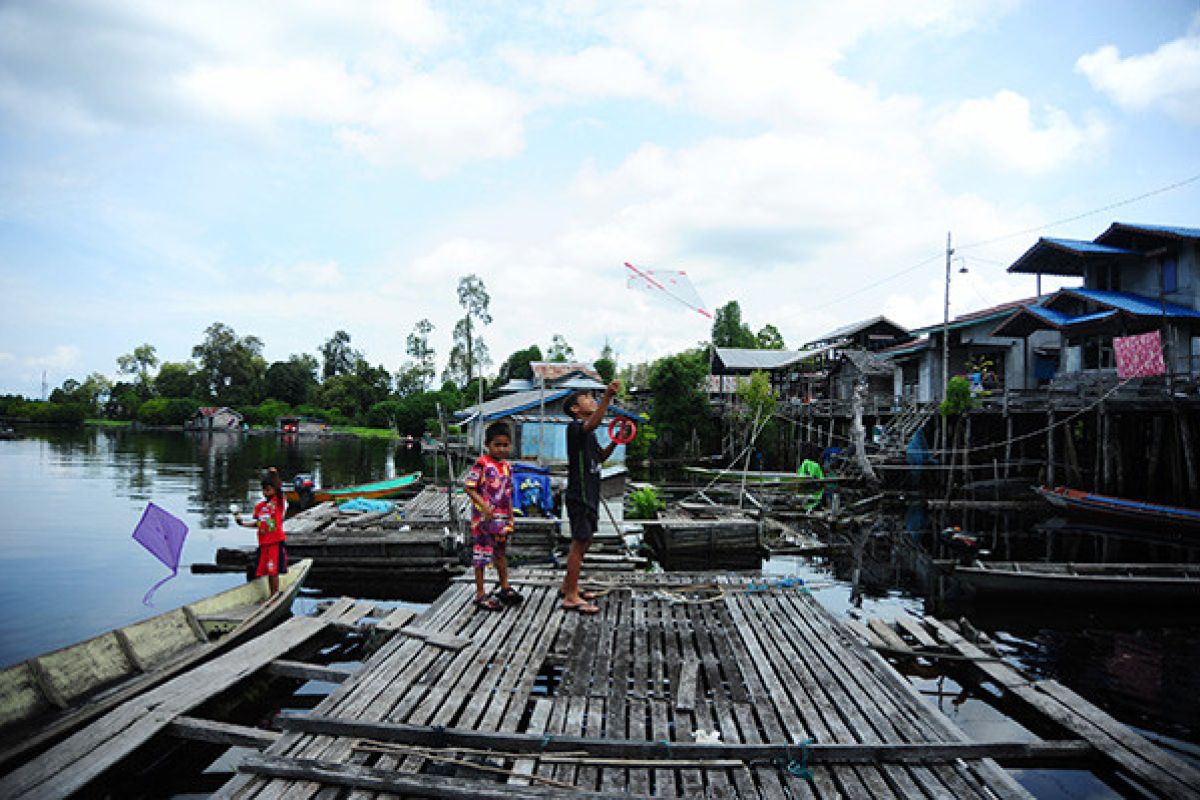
{"points": [[531, 489], [918, 452]]}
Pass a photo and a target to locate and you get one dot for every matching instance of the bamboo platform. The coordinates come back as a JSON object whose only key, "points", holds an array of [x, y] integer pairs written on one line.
{"points": [[70, 765], [539, 702]]}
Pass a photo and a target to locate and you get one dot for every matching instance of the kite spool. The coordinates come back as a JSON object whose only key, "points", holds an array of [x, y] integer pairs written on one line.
{"points": [[622, 430]]}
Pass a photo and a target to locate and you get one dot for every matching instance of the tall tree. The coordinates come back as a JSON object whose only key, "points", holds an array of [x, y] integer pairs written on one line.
{"points": [[559, 349], [337, 357], [293, 381], [176, 380], [680, 412], [415, 375], [769, 338], [465, 355], [728, 330], [138, 364], [471, 355], [232, 368]]}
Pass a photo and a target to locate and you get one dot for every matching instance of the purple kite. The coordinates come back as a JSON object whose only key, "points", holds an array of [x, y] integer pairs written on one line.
{"points": [[162, 534]]}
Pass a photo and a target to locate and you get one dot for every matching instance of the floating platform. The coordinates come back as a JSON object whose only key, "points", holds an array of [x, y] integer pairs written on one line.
{"points": [[683, 686]]}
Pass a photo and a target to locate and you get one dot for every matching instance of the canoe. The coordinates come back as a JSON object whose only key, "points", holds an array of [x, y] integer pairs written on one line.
{"points": [[1119, 511], [758, 477], [370, 491], [1116, 583], [53, 694]]}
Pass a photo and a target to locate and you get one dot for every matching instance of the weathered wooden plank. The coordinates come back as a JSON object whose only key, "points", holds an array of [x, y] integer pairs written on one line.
{"points": [[70, 765], [308, 672], [382, 780], [396, 619], [205, 730], [517, 744]]}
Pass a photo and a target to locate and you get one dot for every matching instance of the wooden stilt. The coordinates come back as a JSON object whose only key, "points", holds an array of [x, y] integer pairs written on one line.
{"points": [[1051, 456]]}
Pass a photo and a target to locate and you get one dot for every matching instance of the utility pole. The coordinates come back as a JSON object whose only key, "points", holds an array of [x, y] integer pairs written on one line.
{"points": [[946, 321]]}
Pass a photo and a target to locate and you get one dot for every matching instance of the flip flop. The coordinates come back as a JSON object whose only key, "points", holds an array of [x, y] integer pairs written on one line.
{"points": [[583, 607], [486, 603], [583, 594], [510, 596]]}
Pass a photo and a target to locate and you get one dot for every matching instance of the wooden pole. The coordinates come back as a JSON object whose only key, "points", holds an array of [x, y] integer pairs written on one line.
{"points": [[1051, 473], [1155, 454], [1189, 455]]}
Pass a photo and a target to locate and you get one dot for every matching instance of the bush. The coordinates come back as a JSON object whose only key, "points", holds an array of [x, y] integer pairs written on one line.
{"points": [[266, 412], [645, 503], [167, 410], [49, 413], [637, 451], [958, 397]]}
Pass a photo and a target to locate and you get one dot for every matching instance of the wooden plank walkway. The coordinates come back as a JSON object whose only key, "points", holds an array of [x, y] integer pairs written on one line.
{"points": [[670, 656], [73, 763]]}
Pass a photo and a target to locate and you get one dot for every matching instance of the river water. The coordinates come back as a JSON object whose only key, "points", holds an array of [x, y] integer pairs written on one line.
{"points": [[69, 569]]}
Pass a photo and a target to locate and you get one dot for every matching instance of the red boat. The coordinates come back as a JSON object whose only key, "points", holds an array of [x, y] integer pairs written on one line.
{"points": [[1119, 511]]}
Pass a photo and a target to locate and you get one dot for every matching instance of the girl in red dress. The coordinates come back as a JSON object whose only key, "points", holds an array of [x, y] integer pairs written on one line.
{"points": [[268, 519]]}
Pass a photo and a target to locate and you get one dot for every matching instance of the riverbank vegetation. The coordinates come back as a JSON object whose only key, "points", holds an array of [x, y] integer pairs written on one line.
{"points": [[340, 386]]}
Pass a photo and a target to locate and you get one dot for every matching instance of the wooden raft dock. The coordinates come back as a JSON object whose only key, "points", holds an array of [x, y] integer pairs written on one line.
{"points": [[548, 703]]}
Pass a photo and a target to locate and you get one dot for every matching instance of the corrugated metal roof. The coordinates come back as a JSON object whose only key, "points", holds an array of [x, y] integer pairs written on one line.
{"points": [[1088, 248], [854, 327], [1065, 256], [509, 405], [868, 363], [976, 317], [1172, 231], [551, 371], [906, 348], [1136, 304], [745, 358]]}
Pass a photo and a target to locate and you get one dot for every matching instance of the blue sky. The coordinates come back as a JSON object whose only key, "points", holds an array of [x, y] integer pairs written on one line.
{"points": [[295, 168]]}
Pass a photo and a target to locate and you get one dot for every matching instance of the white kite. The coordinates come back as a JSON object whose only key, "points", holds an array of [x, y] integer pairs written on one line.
{"points": [[672, 284]]}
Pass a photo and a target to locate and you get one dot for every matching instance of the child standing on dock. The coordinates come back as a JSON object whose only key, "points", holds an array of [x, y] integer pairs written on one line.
{"points": [[268, 519], [584, 457], [489, 485]]}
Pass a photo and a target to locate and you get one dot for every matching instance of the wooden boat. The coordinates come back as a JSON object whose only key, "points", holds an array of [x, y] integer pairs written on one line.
{"points": [[758, 477], [1118, 583], [49, 696], [1119, 511], [369, 491]]}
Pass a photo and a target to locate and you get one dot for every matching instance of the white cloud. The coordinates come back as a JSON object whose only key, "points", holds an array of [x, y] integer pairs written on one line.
{"points": [[1167, 79], [62, 357], [6, 358], [1002, 130], [593, 72], [317, 275], [368, 76]]}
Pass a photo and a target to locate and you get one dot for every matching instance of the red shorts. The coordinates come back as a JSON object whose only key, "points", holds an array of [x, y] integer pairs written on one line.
{"points": [[272, 559]]}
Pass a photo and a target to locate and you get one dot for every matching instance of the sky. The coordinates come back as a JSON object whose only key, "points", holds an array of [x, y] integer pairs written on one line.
{"points": [[295, 168]]}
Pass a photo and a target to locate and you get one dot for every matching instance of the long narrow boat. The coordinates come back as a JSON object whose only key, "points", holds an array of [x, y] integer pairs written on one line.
{"points": [[1119, 511], [758, 477], [1117, 583], [49, 696], [368, 491]]}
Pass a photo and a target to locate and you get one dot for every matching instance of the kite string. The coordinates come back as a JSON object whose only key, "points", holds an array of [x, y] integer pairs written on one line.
{"points": [[155, 587]]}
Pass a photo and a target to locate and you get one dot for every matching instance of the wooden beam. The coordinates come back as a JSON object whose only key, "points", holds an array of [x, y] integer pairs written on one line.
{"points": [[410, 784], [205, 730], [517, 743], [308, 672]]}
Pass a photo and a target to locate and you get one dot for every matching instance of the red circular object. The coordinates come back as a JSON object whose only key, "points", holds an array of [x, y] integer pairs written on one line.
{"points": [[622, 430]]}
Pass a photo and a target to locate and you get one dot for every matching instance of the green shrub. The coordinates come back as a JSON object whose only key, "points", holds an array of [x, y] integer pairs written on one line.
{"points": [[54, 413], [167, 410], [644, 503], [958, 397], [266, 412]]}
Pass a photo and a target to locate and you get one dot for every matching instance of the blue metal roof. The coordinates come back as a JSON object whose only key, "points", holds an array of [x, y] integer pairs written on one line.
{"points": [[1135, 304], [1061, 320], [1169, 230], [1089, 248]]}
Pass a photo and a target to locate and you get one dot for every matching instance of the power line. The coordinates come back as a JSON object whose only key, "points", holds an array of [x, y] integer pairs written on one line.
{"points": [[1065, 220], [1118, 204]]}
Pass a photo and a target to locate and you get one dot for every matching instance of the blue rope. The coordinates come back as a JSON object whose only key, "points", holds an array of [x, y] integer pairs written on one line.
{"points": [[797, 769], [667, 744], [545, 741]]}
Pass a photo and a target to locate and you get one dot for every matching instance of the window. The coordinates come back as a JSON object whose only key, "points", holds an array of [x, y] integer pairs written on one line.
{"points": [[1170, 274]]}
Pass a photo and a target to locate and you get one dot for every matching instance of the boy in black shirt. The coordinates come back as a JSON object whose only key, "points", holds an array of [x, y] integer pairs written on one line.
{"points": [[584, 457]]}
